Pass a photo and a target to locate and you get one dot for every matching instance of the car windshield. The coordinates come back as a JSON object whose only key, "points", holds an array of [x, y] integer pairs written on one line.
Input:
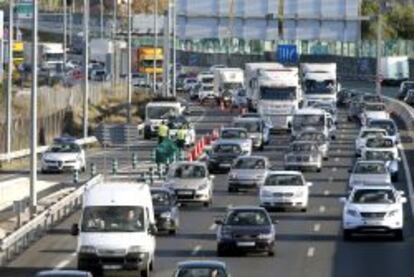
{"points": [[283, 180], [227, 149], [322, 87], [380, 143], [190, 81], [233, 134], [375, 107], [373, 133], [371, 98], [250, 163], [207, 80], [379, 155], [113, 219], [308, 120], [250, 126], [312, 137], [370, 168], [161, 198], [373, 196], [189, 171], [247, 218], [386, 125], [161, 112], [278, 93], [65, 148], [302, 147], [201, 272]]}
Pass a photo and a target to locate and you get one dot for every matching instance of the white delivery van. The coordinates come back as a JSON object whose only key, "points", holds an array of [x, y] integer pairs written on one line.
{"points": [[313, 119], [117, 229], [394, 70], [228, 81]]}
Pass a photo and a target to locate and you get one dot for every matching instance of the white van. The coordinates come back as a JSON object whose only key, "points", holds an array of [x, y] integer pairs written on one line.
{"points": [[117, 229]]}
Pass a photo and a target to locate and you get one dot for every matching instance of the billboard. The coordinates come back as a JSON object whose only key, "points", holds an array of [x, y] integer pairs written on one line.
{"points": [[331, 20]]}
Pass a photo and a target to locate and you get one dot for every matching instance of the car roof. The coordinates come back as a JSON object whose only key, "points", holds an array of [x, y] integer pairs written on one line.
{"points": [[246, 208], [203, 263], [309, 110], [189, 163], [373, 187], [284, 172], [62, 273], [247, 119]]}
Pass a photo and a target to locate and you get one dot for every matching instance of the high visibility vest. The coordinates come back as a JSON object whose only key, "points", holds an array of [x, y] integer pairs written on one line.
{"points": [[163, 130], [181, 134]]}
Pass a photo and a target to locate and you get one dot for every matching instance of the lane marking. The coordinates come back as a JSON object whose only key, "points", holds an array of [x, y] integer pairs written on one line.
{"points": [[326, 192], [311, 252], [213, 227], [65, 262], [339, 150], [322, 209], [196, 250], [337, 159], [317, 227], [408, 178], [334, 169], [331, 180]]}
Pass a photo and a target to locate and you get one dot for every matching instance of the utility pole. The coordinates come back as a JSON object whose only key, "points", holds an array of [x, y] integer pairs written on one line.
{"points": [[72, 11], [102, 19], [33, 109], [167, 52], [174, 48], [379, 54], [9, 80], [129, 60], [65, 35], [85, 66], [114, 26], [154, 81]]}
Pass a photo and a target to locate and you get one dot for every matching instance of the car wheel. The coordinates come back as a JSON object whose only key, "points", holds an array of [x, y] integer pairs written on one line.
{"points": [[347, 235], [349, 118], [271, 253], [399, 235], [172, 232], [326, 158], [151, 266], [206, 204], [304, 210], [221, 252], [318, 169], [394, 177], [146, 271], [147, 134]]}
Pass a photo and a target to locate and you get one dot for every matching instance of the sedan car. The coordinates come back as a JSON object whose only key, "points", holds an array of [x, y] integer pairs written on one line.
{"points": [[223, 155], [247, 172], [372, 172], [206, 92], [405, 87], [387, 157], [285, 189], [373, 111], [303, 155], [191, 183], [201, 269], [316, 136], [373, 210], [237, 134], [62, 157], [383, 143], [245, 229], [364, 133], [257, 129], [388, 125], [165, 210]]}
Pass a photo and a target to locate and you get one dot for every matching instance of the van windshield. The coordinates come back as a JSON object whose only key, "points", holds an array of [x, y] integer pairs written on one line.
{"points": [[308, 120], [113, 219]]}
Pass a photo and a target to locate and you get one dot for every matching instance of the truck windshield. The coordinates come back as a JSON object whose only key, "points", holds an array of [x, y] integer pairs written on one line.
{"points": [[207, 80], [113, 219], [250, 126], [316, 87], [308, 120], [160, 112], [53, 57], [230, 86], [150, 63], [281, 94]]}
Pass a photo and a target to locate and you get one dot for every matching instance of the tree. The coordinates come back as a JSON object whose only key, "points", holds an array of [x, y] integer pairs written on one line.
{"points": [[401, 19]]}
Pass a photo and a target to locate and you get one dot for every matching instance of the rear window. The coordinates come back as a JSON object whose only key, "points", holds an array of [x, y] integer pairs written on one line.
{"points": [[283, 180], [370, 168], [250, 163]]}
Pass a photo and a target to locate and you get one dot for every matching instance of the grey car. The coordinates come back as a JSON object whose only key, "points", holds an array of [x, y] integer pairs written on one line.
{"points": [[388, 157], [303, 155], [165, 210], [316, 136], [257, 129], [247, 172]]}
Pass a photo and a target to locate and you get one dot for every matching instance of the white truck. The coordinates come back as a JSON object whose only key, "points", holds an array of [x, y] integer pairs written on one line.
{"points": [[394, 70], [227, 81], [274, 91], [100, 50], [319, 82]]}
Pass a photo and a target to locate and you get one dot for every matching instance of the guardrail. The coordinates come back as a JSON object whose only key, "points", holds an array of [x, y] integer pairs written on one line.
{"points": [[19, 240], [41, 149], [405, 111]]}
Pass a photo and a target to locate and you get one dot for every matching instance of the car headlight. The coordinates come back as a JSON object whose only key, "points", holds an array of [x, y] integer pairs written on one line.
{"points": [[393, 213], [165, 215], [353, 213], [266, 193], [87, 249], [135, 249], [203, 186], [299, 194], [268, 236]]}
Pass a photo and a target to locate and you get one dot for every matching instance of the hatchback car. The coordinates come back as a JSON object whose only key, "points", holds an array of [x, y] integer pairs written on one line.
{"points": [[165, 210], [201, 269], [373, 210], [63, 156], [223, 154], [364, 133], [316, 136], [373, 111], [303, 155], [247, 172], [237, 134], [191, 182], [285, 189], [245, 229], [372, 172], [257, 128], [387, 157]]}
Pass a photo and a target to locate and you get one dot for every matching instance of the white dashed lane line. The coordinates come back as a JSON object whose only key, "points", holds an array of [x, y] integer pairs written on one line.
{"points": [[322, 209], [65, 262], [326, 192], [311, 252], [317, 227], [196, 250]]}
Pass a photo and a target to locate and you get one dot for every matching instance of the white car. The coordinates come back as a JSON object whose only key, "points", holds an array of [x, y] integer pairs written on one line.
{"points": [[369, 172], [206, 91], [373, 209], [383, 143], [364, 133], [373, 111], [387, 124], [388, 157], [285, 189], [191, 182], [303, 155], [240, 135], [62, 157]]}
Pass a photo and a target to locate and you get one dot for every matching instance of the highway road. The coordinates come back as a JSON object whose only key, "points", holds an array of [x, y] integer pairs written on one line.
{"points": [[308, 244]]}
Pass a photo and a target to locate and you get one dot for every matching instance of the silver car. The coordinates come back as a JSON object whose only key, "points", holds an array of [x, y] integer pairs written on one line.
{"points": [[247, 172], [316, 136], [303, 155], [370, 172], [386, 156], [240, 135]]}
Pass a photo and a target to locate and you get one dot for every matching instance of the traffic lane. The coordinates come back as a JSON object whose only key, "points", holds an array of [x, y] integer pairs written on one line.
{"points": [[370, 87]]}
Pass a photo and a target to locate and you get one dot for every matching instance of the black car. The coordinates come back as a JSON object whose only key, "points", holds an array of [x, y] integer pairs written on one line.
{"points": [[223, 155], [165, 210], [245, 229], [345, 97], [201, 269]]}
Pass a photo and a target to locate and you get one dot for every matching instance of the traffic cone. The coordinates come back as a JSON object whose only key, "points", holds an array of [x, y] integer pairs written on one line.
{"points": [[190, 156]]}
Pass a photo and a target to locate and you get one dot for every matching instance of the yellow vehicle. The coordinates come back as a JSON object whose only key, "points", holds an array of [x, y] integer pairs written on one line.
{"points": [[18, 53], [145, 60]]}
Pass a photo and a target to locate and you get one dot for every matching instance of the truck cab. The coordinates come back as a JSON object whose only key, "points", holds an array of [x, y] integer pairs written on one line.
{"points": [[227, 81], [316, 119]]}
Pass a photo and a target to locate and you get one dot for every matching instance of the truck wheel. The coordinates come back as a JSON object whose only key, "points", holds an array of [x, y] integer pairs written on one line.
{"points": [[399, 235], [146, 271], [394, 177]]}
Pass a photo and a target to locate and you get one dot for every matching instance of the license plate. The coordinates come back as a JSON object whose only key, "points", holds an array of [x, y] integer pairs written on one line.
{"points": [[185, 192], [246, 243], [373, 222], [112, 267], [225, 165]]}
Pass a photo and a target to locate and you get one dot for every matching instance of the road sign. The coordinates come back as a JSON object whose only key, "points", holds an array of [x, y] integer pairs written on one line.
{"points": [[287, 53], [24, 9]]}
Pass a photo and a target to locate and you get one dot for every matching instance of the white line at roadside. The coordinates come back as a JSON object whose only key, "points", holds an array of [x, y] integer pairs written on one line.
{"points": [[311, 252], [65, 262], [409, 179]]}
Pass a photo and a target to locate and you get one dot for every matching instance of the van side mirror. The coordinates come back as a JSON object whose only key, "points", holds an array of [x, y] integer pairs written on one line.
{"points": [[152, 229], [74, 231], [218, 222]]}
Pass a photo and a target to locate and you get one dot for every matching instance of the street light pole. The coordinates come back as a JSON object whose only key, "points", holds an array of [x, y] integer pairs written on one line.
{"points": [[174, 48], [114, 26], [129, 60], [379, 54], [65, 35], [154, 81], [9, 80], [102, 19], [33, 109], [85, 66]]}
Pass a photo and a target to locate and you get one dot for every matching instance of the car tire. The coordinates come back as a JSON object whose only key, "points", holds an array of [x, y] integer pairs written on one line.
{"points": [[394, 177], [399, 235], [147, 134], [271, 253], [318, 169], [349, 118], [221, 252], [206, 204], [304, 210], [172, 232], [347, 235]]}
